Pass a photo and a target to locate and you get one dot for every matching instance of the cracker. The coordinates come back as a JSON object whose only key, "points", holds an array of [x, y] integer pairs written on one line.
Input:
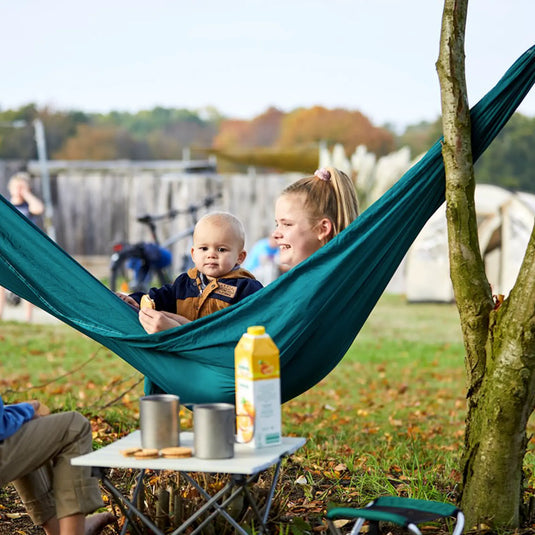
{"points": [[146, 453], [129, 452], [176, 452], [147, 302]]}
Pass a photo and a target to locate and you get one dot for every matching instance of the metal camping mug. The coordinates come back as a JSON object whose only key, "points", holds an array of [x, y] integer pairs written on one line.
{"points": [[159, 416], [213, 430]]}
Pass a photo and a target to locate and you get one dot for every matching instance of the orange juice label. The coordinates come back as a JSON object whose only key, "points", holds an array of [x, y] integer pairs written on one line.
{"points": [[258, 405]]}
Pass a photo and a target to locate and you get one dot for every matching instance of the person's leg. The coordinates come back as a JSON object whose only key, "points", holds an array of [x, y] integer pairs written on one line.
{"points": [[70, 490], [78, 524], [51, 526], [76, 492], [72, 525], [2, 300], [29, 311]]}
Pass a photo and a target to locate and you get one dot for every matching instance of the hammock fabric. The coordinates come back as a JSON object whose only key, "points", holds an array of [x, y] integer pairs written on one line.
{"points": [[313, 312]]}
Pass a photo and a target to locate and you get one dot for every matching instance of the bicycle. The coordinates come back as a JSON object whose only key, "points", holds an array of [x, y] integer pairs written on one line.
{"points": [[133, 266]]}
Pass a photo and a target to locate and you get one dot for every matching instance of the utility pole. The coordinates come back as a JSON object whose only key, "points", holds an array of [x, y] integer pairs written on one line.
{"points": [[40, 141]]}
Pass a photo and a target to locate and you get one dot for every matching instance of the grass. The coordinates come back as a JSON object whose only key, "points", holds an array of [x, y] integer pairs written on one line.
{"points": [[66, 370], [388, 420]]}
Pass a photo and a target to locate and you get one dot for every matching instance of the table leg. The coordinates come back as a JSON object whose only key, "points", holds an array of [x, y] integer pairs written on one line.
{"points": [[127, 507], [272, 490], [238, 484], [242, 483], [135, 495], [263, 518], [211, 502]]}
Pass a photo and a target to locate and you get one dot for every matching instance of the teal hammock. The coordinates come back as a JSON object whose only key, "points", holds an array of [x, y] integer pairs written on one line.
{"points": [[313, 312]]}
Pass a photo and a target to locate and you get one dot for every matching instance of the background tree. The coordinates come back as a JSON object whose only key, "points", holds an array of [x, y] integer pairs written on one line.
{"points": [[102, 143], [166, 132], [510, 160], [261, 131], [19, 143], [350, 128], [290, 141], [419, 137], [499, 340], [273, 140]]}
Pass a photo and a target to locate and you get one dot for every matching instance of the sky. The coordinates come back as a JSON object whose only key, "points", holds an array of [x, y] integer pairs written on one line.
{"points": [[243, 56]]}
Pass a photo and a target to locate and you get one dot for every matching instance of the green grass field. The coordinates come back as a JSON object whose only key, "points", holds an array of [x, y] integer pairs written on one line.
{"points": [[388, 420]]}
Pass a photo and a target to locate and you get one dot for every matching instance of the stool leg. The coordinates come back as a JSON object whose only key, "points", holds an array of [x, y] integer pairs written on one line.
{"points": [[358, 526]]}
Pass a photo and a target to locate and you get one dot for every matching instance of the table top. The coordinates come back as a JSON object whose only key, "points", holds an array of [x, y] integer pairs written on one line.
{"points": [[246, 460]]}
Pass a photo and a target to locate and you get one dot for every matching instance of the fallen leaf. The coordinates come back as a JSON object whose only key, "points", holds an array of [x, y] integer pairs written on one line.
{"points": [[14, 516], [340, 523]]}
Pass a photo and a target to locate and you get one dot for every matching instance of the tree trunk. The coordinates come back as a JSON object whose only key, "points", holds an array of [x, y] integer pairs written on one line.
{"points": [[499, 344]]}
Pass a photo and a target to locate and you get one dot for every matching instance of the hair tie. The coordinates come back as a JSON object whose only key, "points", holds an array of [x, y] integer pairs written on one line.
{"points": [[323, 174]]}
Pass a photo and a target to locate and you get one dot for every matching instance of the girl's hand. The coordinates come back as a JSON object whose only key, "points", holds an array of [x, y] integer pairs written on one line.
{"points": [[154, 321]]}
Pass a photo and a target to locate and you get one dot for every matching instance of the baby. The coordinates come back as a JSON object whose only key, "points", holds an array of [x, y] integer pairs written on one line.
{"points": [[215, 282]]}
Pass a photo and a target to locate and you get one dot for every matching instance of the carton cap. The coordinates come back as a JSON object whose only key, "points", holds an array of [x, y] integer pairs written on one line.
{"points": [[256, 330]]}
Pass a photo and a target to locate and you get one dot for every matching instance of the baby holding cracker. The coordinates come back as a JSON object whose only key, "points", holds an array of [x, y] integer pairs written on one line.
{"points": [[216, 282]]}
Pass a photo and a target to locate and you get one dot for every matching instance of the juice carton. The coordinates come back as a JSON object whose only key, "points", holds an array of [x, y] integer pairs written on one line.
{"points": [[258, 396]]}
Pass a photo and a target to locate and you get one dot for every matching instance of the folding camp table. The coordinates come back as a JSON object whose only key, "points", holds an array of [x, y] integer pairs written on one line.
{"points": [[243, 469]]}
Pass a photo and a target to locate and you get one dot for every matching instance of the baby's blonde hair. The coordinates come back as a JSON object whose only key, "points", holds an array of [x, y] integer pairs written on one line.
{"points": [[335, 198], [226, 218]]}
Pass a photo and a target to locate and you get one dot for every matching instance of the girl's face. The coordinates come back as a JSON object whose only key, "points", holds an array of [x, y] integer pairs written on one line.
{"points": [[296, 236]]}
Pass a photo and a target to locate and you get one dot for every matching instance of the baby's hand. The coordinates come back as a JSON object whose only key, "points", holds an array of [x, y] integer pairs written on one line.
{"points": [[127, 299], [155, 321]]}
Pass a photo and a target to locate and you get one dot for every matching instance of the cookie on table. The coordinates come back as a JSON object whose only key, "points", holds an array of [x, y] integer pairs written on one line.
{"points": [[129, 452], [176, 452], [146, 453]]}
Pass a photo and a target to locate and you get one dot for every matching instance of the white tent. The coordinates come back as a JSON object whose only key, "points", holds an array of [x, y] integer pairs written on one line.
{"points": [[505, 221]]}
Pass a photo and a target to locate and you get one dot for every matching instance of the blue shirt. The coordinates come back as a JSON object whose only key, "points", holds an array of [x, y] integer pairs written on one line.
{"points": [[13, 416]]}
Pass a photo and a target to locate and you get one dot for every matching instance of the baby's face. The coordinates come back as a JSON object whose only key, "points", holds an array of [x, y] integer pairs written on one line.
{"points": [[216, 248]]}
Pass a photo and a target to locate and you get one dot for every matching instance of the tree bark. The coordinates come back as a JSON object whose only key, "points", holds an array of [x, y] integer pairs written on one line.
{"points": [[499, 344]]}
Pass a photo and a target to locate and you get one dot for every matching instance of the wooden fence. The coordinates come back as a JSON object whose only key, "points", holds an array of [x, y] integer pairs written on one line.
{"points": [[95, 204]]}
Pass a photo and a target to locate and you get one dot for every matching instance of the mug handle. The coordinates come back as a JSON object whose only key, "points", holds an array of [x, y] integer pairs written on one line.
{"points": [[250, 427]]}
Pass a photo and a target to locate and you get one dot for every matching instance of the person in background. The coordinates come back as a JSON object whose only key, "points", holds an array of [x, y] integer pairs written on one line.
{"points": [[263, 260], [22, 198], [216, 282], [36, 449]]}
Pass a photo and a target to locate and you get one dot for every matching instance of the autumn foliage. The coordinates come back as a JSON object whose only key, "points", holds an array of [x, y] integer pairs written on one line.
{"points": [[289, 141], [350, 128], [99, 143], [262, 131]]}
